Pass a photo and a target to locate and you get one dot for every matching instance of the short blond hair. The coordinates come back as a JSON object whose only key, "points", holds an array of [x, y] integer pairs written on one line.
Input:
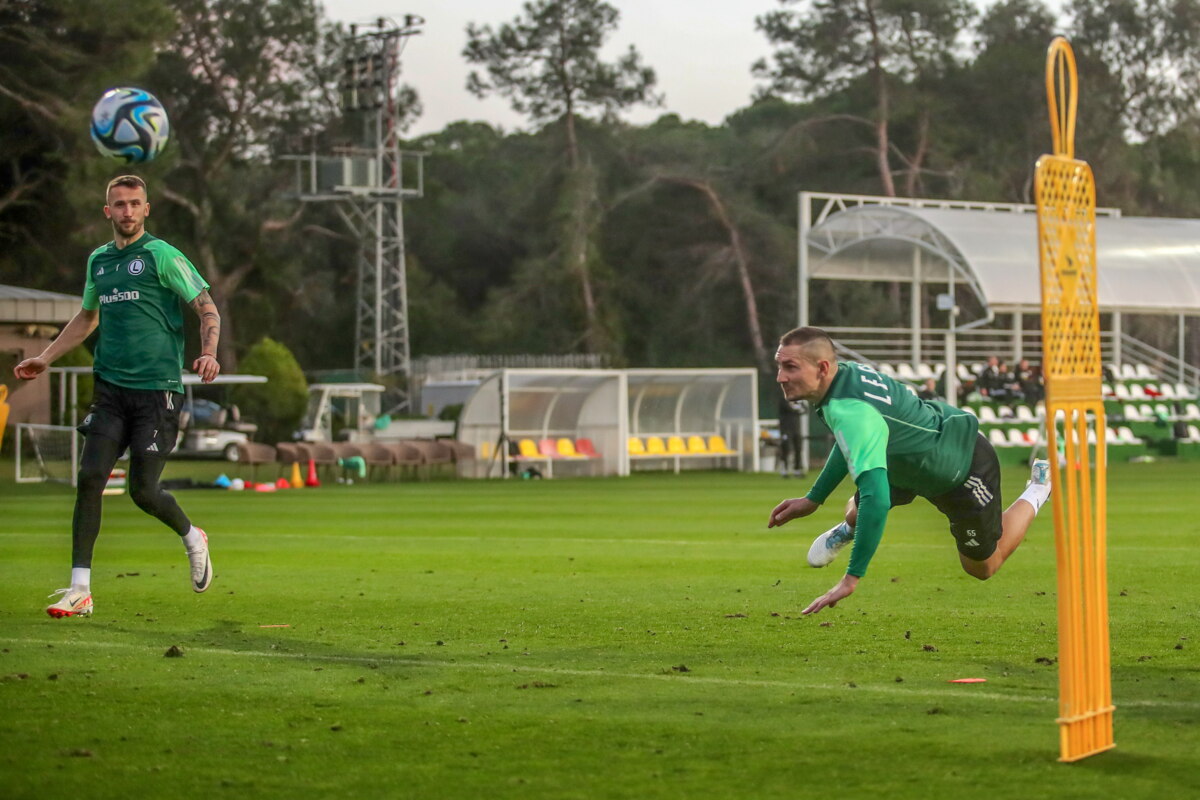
{"points": [[129, 181]]}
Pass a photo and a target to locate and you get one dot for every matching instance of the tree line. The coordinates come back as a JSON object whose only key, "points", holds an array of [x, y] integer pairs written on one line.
{"points": [[665, 244]]}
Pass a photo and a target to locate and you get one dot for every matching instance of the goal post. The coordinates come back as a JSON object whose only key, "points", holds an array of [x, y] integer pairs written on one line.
{"points": [[1076, 425], [46, 453]]}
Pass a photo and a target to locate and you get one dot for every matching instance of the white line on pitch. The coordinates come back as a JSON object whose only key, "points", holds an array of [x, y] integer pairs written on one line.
{"points": [[598, 673]]}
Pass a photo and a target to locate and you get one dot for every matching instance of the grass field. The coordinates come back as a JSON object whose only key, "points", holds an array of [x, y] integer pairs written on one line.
{"points": [[624, 638]]}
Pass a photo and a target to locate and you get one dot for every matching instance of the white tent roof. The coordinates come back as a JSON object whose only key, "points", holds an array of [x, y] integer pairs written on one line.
{"points": [[1146, 264]]}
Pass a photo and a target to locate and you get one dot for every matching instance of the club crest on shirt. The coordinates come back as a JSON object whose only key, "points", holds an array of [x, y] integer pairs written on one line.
{"points": [[136, 266]]}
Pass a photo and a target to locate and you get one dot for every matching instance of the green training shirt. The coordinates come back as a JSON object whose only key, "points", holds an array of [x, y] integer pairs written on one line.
{"points": [[138, 290], [922, 446]]}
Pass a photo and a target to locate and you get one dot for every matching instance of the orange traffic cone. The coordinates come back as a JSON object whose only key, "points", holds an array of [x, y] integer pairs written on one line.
{"points": [[297, 482], [312, 481]]}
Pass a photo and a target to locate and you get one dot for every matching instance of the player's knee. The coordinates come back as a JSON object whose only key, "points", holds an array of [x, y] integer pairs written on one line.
{"points": [[980, 570], [146, 496], [91, 480]]}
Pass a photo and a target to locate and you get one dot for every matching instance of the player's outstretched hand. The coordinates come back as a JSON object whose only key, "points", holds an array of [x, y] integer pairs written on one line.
{"points": [[845, 587], [206, 367], [789, 510], [30, 368]]}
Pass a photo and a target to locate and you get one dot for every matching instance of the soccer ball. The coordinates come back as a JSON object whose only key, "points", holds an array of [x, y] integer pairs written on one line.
{"points": [[130, 125]]}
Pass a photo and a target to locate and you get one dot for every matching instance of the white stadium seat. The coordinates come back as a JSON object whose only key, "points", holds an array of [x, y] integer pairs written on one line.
{"points": [[1131, 413], [1025, 413], [1193, 433], [905, 371], [1128, 372], [997, 438], [987, 414], [1182, 391], [1167, 391], [1016, 437], [1122, 392], [1192, 411], [1143, 371], [1125, 436]]}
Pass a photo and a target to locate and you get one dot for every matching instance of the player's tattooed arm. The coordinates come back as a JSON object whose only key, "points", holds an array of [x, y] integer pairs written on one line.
{"points": [[207, 366], [210, 322]]}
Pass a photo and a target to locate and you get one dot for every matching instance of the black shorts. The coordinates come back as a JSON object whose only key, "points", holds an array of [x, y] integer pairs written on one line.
{"points": [[144, 420], [974, 508]]}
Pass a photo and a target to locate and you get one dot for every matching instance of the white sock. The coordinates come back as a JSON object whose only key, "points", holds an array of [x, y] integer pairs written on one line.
{"points": [[193, 538], [1036, 494], [81, 579]]}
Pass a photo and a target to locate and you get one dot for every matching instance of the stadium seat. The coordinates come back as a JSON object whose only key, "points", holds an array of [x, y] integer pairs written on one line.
{"points": [[1125, 435], [971, 410], [252, 454], [527, 448], [1016, 437], [548, 448], [587, 449], [1193, 433], [1131, 413], [1032, 436], [1167, 391], [887, 369], [1162, 412], [1122, 392], [1136, 392], [1025, 413], [1147, 412], [636, 448], [1183, 392], [904, 371], [1005, 412], [925, 372], [675, 446], [987, 414], [963, 373], [655, 446], [695, 446], [566, 449], [1143, 372], [406, 457], [1128, 373], [717, 445], [997, 438], [1192, 411]]}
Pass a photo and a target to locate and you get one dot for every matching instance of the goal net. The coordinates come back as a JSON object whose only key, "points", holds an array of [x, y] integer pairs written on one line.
{"points": [[47, 453]]}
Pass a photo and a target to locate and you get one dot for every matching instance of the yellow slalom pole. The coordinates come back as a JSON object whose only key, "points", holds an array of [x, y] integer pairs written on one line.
{"points": [[1066, 201]]}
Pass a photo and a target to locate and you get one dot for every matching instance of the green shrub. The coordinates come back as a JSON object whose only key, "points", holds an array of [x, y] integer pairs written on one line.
{"points": [[277, 405]]}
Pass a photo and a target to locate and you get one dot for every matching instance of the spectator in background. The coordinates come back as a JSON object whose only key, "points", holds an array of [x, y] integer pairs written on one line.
{"points": [[1029, 381], [789, 437], [988, 380], [929, 390]]}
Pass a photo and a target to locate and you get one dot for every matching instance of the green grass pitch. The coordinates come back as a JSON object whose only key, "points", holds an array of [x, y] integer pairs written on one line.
{"points": [[623, 638]]}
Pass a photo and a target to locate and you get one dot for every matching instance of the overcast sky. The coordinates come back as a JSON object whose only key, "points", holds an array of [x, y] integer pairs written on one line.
{"points": [[701, 50]]}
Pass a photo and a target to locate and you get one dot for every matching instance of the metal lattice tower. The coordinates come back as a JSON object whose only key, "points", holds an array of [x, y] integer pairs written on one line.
{"points": [[369, 179]]}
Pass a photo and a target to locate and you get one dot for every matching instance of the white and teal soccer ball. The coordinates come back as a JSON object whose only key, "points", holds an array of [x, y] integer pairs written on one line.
{"points": [[130, 125]]}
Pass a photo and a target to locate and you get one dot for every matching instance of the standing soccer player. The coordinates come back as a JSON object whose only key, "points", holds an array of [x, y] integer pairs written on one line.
{"points": [[134, 285], [897, 447]]}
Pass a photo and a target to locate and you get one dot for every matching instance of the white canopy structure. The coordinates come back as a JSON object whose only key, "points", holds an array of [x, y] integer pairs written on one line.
{"points": [[1146, 266], [606, 408]]}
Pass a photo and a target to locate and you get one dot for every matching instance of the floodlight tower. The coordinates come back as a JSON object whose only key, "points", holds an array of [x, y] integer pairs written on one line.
{"points": [[369, 179]]}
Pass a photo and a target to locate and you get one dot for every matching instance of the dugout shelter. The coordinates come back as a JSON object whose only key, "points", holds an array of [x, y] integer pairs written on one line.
{"points": [[585, 421], [29, 321]]}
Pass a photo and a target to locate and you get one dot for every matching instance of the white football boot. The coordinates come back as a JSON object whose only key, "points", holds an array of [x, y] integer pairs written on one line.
{"points": [[826, 546]]}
